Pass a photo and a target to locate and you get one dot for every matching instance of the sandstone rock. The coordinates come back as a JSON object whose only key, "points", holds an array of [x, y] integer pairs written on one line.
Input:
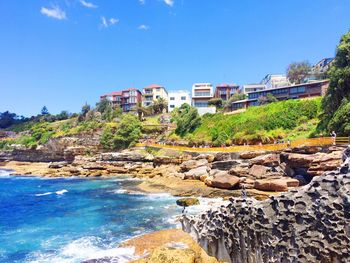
{"points": [[93, 166], [57, 165], [223, 180], [307, 150], [296, 160], [270, 160], [171, 255], [209, 157], [159, 160], [126, 156], [239, 171], [251, 154], [224, 165], [117, 170], [277, 185], [259, 171], [191, 164], [196, 173], [325, 162], [185, 202]]}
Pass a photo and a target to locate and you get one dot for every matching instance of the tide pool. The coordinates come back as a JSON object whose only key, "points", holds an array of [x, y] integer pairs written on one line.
{"points": [[72, 220]]}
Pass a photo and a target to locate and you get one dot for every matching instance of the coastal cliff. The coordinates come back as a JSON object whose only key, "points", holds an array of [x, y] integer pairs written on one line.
{"points": [[308, 224]]}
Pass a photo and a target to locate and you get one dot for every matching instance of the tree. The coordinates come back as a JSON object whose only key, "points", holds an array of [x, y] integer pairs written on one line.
{"points": [[339, 86], [103, 105], [85, 109], [63, 115], [217, 102], [44, 111], [340, 121], [268, 99], [187, 119], [106, 139], [234, 97], [159, 105], [297, 71], [128, 132], [7, 119]]}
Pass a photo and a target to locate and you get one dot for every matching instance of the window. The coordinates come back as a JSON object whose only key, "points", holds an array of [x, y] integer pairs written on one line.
{"points": [[183, 98], [172, 98], [157, 89], [157, 97], [172, 106], [202, 94], [297, 90], [199, 104]]}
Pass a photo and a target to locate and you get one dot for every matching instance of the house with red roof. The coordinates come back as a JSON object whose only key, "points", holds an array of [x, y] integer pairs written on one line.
{"points": [[127, 99], [152, 93]]}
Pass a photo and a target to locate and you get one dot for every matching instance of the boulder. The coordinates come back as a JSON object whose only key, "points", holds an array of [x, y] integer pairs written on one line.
{"points": [[196, 173], [307, 149], [223, 165], [223, 180], [117, 170], [271, 160], [126, 156], [191, 164], [93, 166], [276, 185], [251, 154], [57, 165], [259, 171], [296, 160], [159, 160], [239, 171], [187, 201], [209, 157], [325, 162]]}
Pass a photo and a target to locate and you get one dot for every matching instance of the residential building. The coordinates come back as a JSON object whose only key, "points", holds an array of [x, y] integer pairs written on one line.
{"points": [[253, 87], [177, 98], [152, 93], [305, 90], [114, 97], [225, 91], [323, 65], [272, 81], [126, 99], [201, 94]]}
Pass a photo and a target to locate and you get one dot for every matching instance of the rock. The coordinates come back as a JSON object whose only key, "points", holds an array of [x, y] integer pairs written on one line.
{"points": [[126, 156], [196, 173], [223, 180], [307, 150], [325, 162], [277, 185], [259, 171], [185, 202], [302, 179], [159, 160], [271, 160], [308, 224], [239, 171], [223, 165], [93, 166], [209, 157], [251, 154], [170, 255], [191, 164], [296, 160], [57, 165], [117, 170]]}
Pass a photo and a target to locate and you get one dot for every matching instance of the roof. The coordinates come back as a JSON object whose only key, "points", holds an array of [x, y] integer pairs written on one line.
{"points": [[292, 86], [153, 86], [129, 89], [225, 85]]}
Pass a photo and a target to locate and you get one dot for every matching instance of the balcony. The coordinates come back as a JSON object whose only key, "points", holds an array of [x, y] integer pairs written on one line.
{"points": [[203, 94]]}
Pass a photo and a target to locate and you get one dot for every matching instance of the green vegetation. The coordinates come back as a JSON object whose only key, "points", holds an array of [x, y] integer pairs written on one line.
{"points": [[186, 118], [335, 104], [281, 120]]}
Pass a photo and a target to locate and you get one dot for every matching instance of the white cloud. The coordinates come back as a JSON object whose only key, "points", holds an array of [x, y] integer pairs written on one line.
{"points": [[169, 2], [54, 12], [88, 4], [142, 2], [106, 22], [143, 27]]}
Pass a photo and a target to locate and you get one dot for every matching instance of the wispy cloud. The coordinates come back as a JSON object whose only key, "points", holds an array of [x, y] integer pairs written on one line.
{"points": [[143, 27], [169, 2], [54, 12], [142, 2], [106, 22], [87, 4]]}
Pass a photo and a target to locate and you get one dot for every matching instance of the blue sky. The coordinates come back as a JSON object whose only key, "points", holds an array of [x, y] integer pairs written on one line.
{"points": [[63, 53]]}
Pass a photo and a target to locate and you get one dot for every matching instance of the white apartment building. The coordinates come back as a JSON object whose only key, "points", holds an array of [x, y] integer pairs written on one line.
{"points": [[253, 87], [152, 93], [201, 94], [275, 81], [177, 98]]}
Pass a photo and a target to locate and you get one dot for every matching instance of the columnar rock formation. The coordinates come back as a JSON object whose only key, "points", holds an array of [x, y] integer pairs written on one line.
{"points": [[308, 224]]}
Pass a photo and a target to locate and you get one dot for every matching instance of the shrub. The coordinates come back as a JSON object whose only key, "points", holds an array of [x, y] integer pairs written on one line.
{"points": [[128, 132]]}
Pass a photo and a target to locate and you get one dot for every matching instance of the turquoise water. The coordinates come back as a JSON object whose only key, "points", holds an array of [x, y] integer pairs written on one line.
{"points": [[71, 220]]}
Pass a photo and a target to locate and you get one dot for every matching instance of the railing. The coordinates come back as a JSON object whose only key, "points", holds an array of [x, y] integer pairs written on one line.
{"points": [[242, 148]]}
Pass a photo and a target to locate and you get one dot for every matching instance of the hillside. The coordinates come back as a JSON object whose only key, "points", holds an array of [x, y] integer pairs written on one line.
{"points": [[281, 120]]}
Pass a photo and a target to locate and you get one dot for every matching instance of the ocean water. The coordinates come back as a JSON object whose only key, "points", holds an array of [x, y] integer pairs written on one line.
{"points": [[72, 220]]}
